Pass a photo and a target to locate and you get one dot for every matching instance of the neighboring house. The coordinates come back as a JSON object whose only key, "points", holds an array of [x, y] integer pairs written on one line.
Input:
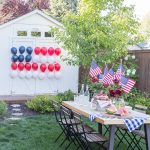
{"points": [[32, 30]]}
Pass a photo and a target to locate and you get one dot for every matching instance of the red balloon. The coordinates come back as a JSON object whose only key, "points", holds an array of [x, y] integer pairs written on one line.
{"points": [[57, 67], [28, 66], [43, 67], [20, 66], [51, 67], [51, 51], [44, 51], [35, 66], [37, 50], [14, 66], [57, 51]]}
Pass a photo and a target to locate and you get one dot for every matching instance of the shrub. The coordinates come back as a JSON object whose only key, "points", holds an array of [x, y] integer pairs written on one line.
{"points": [[41, 103], [3, 108], [66, 96]]}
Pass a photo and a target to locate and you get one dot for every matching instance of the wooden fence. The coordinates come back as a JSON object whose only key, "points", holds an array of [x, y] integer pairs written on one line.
{"points": [[143, 62]]}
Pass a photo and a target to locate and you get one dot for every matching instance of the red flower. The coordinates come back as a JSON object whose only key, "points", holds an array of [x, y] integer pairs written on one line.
{"points": [[118, 92], [112, 93], [116, 81], [94, 80], [105, 85]]}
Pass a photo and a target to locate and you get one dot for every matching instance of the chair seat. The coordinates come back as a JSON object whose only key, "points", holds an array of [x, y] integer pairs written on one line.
{"points": [[95, 137], [87, 129], [69, 121]]}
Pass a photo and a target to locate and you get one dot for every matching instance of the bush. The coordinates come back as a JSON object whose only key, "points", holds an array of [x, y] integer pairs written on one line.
{"points": [[3, 108], [41, 103], [66, 96]]}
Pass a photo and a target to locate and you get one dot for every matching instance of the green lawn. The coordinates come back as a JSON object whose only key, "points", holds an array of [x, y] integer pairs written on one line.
{"points": [[33, 133]]}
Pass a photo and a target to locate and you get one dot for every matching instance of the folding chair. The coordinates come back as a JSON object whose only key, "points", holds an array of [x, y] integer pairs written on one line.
{"points": [[133, 135], [85, 137]]}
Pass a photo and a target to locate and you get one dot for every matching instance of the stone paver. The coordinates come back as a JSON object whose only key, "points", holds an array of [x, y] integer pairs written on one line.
{"points": [[17, 114], [15, 105]]}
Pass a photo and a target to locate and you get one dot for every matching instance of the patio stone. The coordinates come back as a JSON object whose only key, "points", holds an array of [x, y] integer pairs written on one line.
{"points": [[15, 105], [16, 109], [17, 114]]}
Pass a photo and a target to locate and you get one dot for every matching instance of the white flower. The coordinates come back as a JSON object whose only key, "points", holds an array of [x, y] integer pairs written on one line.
{"points": [[128, 71], [133, 72], [133, 56], [126, 58], [128, 74]]}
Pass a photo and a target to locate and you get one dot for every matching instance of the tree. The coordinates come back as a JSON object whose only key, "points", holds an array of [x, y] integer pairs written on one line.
{"points": [[14, 8], [100, 30], [58, 8]]}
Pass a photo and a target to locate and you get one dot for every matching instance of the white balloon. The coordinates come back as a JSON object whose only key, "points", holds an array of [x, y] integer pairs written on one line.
{"points": [[22, 74], [58, 75], [50, 75], [42, 76], [43, 59], [36, 58], [29, 75], [51, 59], [14, 74], [57, 59], [35, 74]]}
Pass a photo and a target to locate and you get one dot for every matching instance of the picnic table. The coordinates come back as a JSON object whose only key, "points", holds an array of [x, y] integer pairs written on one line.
{"points": [[85, 110]]}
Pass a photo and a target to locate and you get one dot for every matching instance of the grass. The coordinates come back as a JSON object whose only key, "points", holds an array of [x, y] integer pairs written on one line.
{"points": [[34, 133]]}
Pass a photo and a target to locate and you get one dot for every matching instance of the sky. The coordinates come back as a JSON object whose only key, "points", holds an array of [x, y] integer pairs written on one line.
{"points": [[142, 7]]}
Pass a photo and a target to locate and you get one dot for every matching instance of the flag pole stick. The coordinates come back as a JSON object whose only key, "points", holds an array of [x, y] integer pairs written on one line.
{"points": [[121, 61]]}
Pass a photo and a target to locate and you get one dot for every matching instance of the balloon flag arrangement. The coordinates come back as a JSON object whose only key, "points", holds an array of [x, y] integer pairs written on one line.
{"points": [[39, 62]]}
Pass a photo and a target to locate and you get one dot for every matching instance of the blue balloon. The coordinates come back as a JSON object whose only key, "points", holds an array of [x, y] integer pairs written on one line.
{"points": [[28, 58], [21, 58], [21, 49], [14, 58], [29, 50], [14, 50]]}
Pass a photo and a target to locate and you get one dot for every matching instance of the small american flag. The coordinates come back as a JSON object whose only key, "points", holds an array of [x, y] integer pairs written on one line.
{"points": [[119, 72], [127, 84], [108, 78], [95, 69]]}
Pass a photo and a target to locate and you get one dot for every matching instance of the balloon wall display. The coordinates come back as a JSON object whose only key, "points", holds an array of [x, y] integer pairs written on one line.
{"points": [[44, 51], [34, 66], [22, 49], [29, 50], [20, 66], [14, 58], [57, 51], [14, 66], [14, 50], [46, 62], [21, 58], [28, 58], [37, 50], [14, 74]]}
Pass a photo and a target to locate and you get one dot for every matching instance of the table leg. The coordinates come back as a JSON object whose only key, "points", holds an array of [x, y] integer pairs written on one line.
{"points": [[100, 129], [147, 135], [111, 137]]}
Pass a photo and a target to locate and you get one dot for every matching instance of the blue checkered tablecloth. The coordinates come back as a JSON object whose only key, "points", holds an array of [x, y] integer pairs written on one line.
{"points": [[134, 123]]}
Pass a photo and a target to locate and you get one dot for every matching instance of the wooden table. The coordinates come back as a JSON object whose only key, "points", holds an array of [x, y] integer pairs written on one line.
{"points": [[112, 121]]}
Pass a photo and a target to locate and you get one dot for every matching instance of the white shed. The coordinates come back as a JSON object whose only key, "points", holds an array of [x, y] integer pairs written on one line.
{"points": [[32, 30]]}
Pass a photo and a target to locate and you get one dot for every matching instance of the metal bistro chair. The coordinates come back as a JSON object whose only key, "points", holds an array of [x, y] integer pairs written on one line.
{"points": [[138, 133], [87, 138]]}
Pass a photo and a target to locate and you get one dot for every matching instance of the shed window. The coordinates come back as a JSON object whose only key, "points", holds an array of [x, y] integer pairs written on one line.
{"points": [[21, 33], [36, 34], [49, 34]]}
